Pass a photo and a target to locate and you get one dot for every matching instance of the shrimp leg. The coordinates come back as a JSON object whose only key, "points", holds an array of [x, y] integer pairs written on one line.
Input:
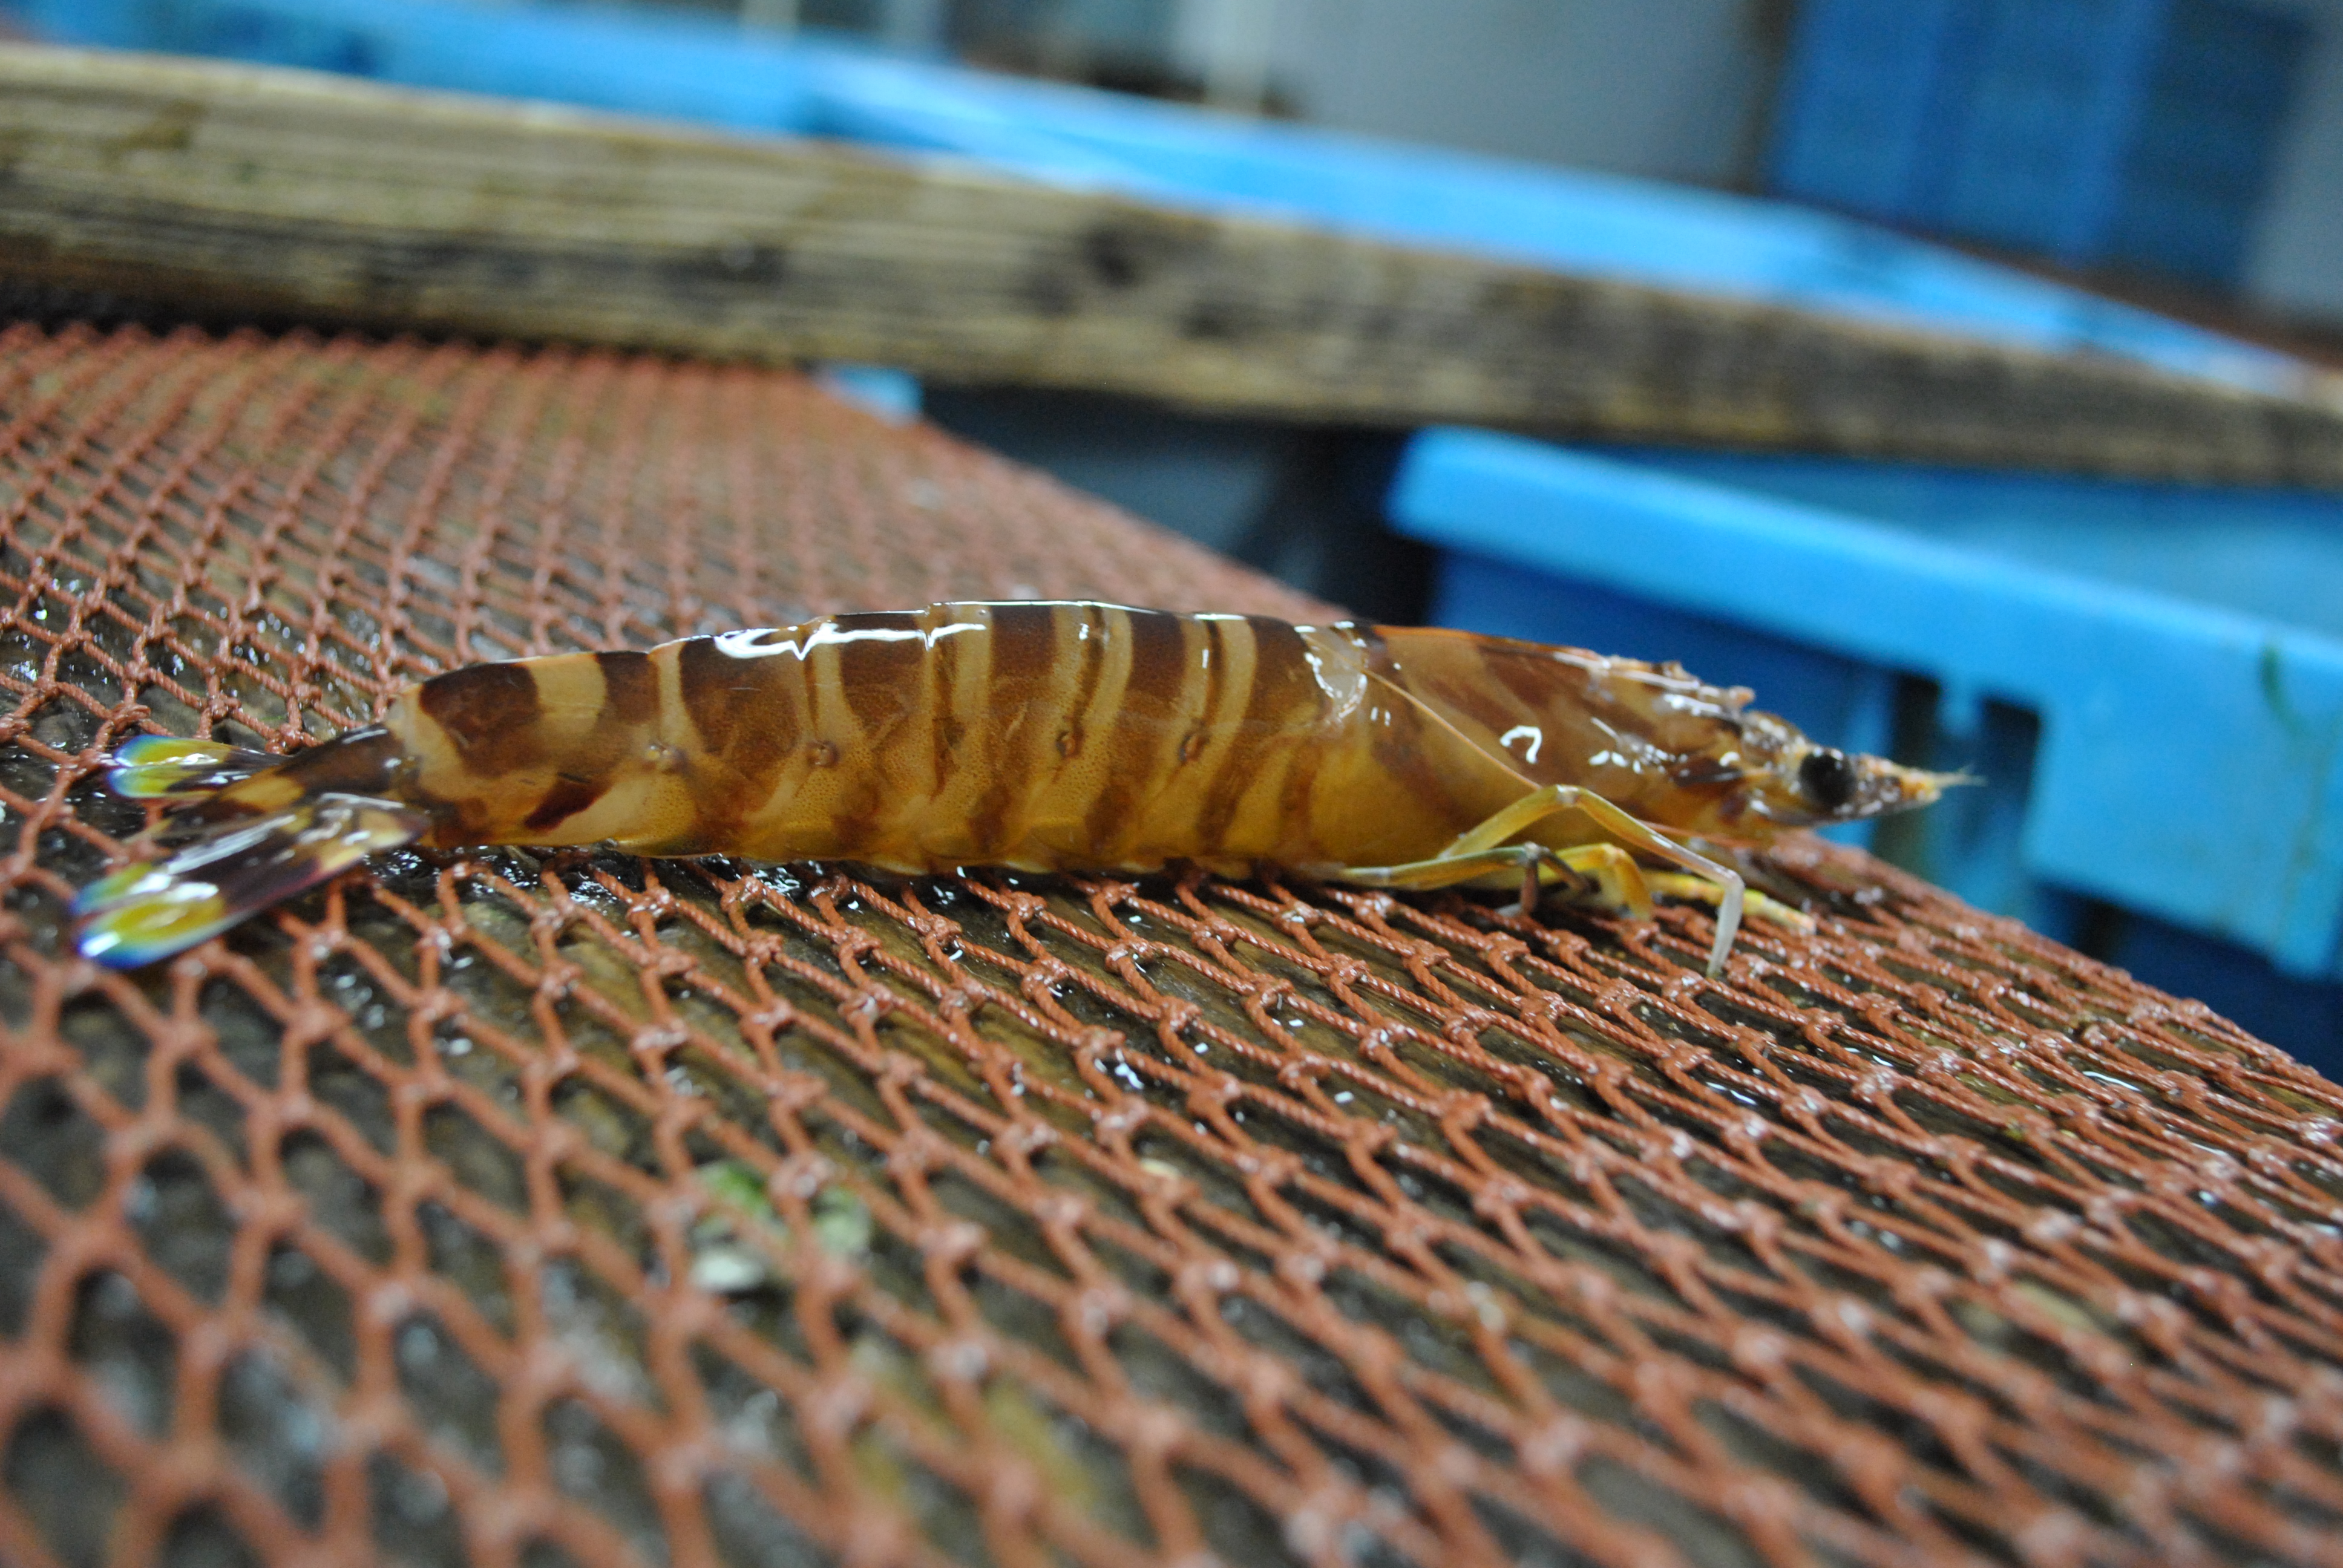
{"points": [[1622, 884], [1618, 880], [1447, 870], [1676, 885], [1484, 848]]}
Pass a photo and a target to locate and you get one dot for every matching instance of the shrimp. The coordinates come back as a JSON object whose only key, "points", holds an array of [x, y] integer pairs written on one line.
{"points": [[1042, 737]]}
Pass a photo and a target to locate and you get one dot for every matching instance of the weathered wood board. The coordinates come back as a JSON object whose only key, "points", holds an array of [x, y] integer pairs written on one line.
{"points": [[244, 189]]}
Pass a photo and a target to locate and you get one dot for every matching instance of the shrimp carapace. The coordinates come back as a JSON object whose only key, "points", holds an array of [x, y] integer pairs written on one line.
{"points": [[1034, 736]]}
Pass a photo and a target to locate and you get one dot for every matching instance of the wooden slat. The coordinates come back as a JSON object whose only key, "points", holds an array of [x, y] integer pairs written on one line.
{"points": [[246, 189]]}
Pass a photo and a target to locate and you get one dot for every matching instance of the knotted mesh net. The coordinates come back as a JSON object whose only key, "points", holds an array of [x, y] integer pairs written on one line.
{"points": [[508, 1209]]}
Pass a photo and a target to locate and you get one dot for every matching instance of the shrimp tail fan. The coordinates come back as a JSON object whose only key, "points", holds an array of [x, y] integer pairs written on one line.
{"points": [[156, 907], [247, 830]]}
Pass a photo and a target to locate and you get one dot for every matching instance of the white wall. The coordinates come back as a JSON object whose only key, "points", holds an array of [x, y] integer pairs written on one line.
{"points": [[1659, 88], [2296, 264]]}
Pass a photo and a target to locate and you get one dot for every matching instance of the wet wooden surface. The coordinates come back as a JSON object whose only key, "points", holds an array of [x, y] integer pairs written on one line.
{"points": [[246, 191]]}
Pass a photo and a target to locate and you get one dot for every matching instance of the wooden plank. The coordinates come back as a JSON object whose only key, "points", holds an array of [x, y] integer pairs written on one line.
{"points": [[246, 189]]}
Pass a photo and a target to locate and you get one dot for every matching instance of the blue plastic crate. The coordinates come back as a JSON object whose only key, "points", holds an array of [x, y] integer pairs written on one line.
{"points": [[1864, 88], [2126, 132], [2206, 141]]}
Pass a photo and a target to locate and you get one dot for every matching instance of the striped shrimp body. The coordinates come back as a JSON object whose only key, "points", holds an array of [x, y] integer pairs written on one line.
{"points": [[1038, 736]]}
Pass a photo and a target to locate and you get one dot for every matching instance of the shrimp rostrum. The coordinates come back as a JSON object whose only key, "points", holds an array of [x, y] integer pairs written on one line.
{"points": [[1035, 737]]}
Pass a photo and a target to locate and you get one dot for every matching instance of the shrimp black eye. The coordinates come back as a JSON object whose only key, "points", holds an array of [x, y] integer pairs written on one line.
{"points": [[1827, 778]]}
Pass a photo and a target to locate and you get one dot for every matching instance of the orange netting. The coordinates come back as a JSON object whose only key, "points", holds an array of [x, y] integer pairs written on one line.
{"points": [[507, 1208]]}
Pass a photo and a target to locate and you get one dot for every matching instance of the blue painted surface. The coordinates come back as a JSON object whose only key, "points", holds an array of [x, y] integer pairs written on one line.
{"points": [[893, 394], [1599, 224], [2188, 764], [2272, 555]]}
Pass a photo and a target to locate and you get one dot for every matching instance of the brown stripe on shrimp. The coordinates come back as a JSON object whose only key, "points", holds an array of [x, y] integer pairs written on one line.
{"points": [[735, 692], [1019, 721], [871, 670], [488, 713], [627, 690], [1224, 771], [1157, 684], [1087, 626], [1282, 710], [743, 701], [1162, 660], [954, 650], [962, 733], [880, 661], [1090, 745], [1177, 815]]}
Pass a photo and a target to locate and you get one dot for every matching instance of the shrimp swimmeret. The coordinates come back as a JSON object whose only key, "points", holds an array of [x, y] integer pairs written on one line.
{"points": [[1036, 737]]}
